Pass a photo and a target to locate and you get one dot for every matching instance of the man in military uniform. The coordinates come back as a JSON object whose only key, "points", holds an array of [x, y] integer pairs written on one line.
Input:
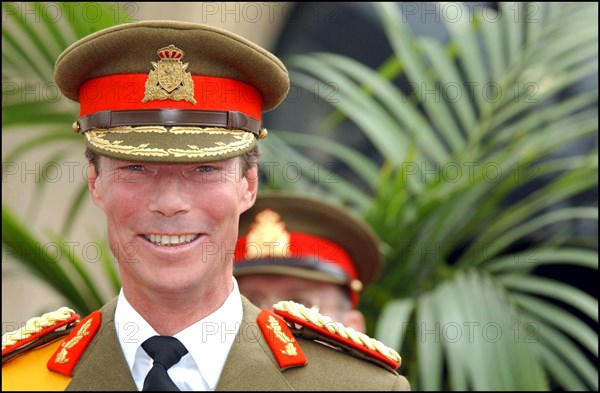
{"points": [[171, 114], [307, 250]]}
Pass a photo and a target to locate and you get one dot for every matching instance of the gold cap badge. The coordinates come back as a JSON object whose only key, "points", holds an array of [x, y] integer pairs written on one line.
{"points": [[267, 237], [168, 79]]}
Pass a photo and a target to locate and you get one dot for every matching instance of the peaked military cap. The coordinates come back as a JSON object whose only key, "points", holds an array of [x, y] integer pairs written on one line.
{"points": [[170, 91], [305, 237]]}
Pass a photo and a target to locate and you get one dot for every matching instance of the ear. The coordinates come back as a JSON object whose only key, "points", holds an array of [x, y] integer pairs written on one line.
{"points": [[95, 185], [355, 320], [250, 191]]}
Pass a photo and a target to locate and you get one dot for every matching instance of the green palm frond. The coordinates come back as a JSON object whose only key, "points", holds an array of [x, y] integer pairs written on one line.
{"points": [[476, 192], [35, 116], [33, 36]]}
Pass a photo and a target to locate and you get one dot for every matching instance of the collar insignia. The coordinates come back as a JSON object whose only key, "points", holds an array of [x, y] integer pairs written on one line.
{"points": [[72, 348], [281, 340]]}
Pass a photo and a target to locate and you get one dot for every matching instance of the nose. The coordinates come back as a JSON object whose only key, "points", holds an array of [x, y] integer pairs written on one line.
{"points": [[169, 196]]}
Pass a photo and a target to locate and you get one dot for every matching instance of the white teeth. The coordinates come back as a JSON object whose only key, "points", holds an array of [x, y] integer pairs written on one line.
{"points": [[166, 240]]}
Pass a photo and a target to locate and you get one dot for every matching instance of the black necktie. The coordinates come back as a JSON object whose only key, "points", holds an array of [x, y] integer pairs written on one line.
{"points": [[166, 351]]}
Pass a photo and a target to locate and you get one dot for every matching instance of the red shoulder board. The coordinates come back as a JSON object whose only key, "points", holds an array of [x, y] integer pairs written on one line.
{"points": [[281, 340], [38, 331], [68, 353], [336, 332]]}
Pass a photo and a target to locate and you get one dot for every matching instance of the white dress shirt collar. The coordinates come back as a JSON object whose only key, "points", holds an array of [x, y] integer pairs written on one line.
{"points": [[208, 342]]}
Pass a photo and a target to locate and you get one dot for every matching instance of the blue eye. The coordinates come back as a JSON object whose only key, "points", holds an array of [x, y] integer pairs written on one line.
{"points": [[205, 169], [135, 168]]}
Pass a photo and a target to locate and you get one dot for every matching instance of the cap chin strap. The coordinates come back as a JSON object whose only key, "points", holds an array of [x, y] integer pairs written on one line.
{"points": [[233, 120], [311, 268]]}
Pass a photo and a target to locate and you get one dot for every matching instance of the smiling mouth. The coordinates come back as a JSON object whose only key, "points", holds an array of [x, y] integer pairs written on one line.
{"points": [[171, 240]]}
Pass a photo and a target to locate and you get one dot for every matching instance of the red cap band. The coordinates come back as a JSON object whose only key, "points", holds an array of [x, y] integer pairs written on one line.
{"points": [[300, 245], [126, 91]]}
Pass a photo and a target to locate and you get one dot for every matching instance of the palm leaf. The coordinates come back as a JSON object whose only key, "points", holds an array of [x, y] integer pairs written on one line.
{"points": [[22, 244], [36, 118], [477, 195]]}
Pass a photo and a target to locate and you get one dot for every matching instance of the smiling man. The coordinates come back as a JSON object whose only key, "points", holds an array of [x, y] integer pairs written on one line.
{"points": [[171, 115]]}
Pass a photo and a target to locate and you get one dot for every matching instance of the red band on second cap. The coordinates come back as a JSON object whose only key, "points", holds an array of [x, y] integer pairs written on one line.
{"points": [[126, 91], [302, 245]]}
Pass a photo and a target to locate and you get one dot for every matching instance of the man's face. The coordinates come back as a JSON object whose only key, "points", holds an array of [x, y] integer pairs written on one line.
{"points": [[172, 227], [264, 290]]}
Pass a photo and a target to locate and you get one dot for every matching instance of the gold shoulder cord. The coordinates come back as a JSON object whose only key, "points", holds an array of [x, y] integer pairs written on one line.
{"points": [[36, 325], [314, 317]]}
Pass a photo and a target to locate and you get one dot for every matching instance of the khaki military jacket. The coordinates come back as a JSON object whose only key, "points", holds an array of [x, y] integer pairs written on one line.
{"points": [[251, 365]]}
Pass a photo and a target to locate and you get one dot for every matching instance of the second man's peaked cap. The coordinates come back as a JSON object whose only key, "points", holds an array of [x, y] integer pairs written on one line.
{"points": [[307, 237]]}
